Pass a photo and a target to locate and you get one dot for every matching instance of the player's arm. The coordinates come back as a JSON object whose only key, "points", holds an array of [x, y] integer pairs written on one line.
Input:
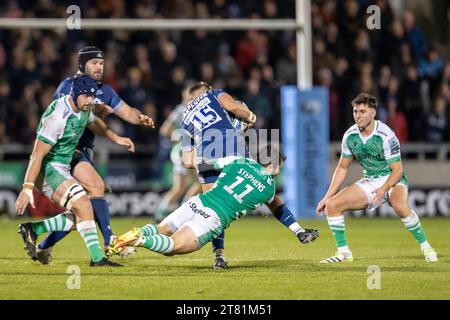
{"points": [[40, 150], [282, 213], [99, 127], [339, 175], [167, 128], [134, 116], [391, 147], [240, 110], [188, 157]]}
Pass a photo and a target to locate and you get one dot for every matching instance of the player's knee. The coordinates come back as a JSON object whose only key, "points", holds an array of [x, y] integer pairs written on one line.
{"points": [[399, 207], [96, 188], [80, 205], [164, 229], [331, 206]]}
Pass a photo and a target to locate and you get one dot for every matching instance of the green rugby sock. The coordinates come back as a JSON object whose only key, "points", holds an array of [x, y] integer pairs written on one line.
{"points": [[158, 243], [61, 222], [412, 223], [149, 230], [337, 226], [88, 232]]}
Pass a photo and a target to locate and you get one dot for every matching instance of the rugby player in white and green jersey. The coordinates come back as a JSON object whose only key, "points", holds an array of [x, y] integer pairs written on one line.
{"points": [[242, 186], [374, 145], [59, 130]]}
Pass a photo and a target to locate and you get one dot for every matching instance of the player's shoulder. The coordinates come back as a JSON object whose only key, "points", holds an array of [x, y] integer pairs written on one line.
{"points": [[352, 130], [64, 87], [104, 87], [60, 108], [216, 92], [384, 131]]}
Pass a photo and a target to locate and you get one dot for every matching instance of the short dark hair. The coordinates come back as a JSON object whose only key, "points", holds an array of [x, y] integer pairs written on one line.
{"points": [[367, 99], [199, 85]]}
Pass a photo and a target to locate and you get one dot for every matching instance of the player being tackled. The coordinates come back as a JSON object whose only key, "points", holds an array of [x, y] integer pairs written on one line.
{"points": [[375, 146], [242, 186]]}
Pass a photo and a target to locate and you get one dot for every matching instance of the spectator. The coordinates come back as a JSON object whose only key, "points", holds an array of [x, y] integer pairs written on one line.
{"points": [[134, 94], [392, 61], [286, 68], [414, 35], [397, 120], [437, 122], [412, 103], [258, 103]]}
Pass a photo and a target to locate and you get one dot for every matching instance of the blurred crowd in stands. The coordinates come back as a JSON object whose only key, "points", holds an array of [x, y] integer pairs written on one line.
{"points": [[148, 69]]}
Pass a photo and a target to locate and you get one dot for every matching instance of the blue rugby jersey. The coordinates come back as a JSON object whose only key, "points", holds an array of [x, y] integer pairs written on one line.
{"points": [[208, 128]]}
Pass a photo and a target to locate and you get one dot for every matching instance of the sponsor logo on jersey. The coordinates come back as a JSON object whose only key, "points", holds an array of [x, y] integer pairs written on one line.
{"points": [[364, 156], [394, 146], [382, 133], [199, 211]]}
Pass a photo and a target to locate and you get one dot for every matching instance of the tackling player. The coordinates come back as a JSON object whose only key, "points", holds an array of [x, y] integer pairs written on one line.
{"points": [[58, 133], [90, 62], [242, 186], [375, 146]]}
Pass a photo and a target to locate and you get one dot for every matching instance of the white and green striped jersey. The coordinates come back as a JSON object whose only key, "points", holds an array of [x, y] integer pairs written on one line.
{"points": [[375, 152], [61, 127]]}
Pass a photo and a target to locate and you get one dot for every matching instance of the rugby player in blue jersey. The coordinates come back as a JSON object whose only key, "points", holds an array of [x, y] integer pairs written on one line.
{"points": [[91, 62]]}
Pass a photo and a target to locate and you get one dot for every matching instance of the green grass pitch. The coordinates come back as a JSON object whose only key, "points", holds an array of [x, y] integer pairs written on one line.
{"points": [[266, 262]]}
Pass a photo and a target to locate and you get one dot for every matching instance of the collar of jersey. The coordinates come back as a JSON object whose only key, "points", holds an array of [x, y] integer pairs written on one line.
{"points": [[66, 102], [365, 139]]}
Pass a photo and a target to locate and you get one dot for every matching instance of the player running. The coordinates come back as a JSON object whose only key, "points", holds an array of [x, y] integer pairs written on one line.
{"points": [[59, 130], [377, 149], [90, 62], [242, 186]]}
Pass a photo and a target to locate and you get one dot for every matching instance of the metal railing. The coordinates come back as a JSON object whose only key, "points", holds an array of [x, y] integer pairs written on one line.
{"points": [[106, 151], [412, 151]]}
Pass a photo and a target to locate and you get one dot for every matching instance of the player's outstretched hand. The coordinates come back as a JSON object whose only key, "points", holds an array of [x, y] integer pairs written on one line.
{"points": [[101, 110], [146, 121], [123, 141], [23, 200]]}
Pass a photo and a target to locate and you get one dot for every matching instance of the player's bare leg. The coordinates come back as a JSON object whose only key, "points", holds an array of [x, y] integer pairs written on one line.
{"points": [[185, 241], [84, 214], [91, 181], [72, 196], [398, 200], [349, 198]]}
